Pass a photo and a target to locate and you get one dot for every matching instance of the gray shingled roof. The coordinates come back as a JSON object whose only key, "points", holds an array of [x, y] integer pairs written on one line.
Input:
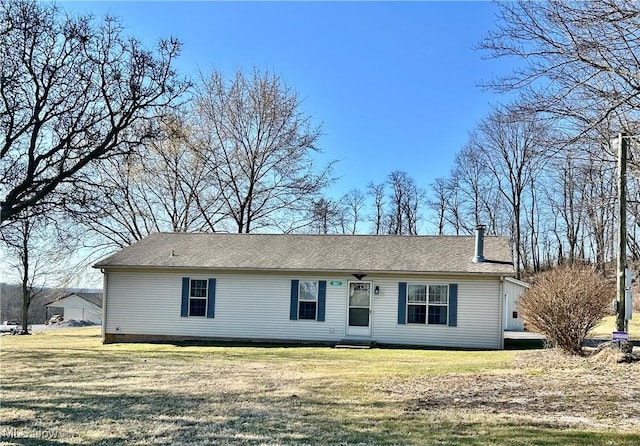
{"points": [[336, 253], [94, 298]]}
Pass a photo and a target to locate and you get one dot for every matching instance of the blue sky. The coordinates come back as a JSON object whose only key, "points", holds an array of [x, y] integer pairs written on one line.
{"points": [[394, 84]]}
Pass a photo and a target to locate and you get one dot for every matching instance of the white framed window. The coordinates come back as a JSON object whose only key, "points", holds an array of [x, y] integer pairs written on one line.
{"points": [[427, 304], [198, 297], [307, 300]]}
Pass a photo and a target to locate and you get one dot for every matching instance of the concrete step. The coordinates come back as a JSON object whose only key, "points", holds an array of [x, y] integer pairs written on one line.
{"points": [[354, 343]]}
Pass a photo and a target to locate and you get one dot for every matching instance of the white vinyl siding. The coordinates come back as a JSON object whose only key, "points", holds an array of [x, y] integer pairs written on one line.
{"points": [[478, 316], [247, 307], [257, 306]]}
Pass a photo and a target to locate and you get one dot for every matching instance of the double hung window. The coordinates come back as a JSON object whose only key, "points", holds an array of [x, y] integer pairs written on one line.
{"points": [[427, 304], [307, 300], [198, 297]]}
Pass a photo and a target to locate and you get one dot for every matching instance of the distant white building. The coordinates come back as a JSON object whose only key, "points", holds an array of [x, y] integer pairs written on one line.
{"points": [[80, 307]]}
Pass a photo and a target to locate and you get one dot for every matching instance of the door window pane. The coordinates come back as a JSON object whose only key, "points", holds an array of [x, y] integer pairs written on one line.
{"points": [[359, 295], [359, 317]]}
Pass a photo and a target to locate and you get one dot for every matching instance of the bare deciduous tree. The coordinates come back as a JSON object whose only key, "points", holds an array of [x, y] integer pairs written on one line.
{"points": [[352, 204], [511, 147], [325, 215], [71, 92], [405, 200], [257, 145], [600, 190], [39, 251], [438, 203], [377, 192], [161, 186], [566, 197], [582, 58], [474, 188]]}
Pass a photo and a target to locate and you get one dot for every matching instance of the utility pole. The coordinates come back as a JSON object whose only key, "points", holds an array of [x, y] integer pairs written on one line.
{"points": [[621, 322]]}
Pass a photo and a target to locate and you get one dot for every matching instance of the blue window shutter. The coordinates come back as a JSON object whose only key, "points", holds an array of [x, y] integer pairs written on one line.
{"points": [[184, 311], [293, 311], [211, 299], [322, 299], [453, 304], [402, 302]]}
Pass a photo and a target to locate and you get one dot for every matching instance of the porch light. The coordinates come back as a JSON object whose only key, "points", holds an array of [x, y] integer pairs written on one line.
{"points": [[376, 290]]}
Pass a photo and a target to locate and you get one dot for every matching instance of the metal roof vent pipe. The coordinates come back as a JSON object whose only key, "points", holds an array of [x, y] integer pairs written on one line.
{"points": [[479, 254]]}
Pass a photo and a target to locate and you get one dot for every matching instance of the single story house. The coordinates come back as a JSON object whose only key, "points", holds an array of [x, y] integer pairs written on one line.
{"points": [[79, 306], [412, 290]]}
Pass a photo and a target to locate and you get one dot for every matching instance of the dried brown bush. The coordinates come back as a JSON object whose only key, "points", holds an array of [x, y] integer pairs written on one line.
{"points": [[565, 304]]}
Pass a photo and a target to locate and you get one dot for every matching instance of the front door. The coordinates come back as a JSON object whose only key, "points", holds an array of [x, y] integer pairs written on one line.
{"points": [[359, 309]]}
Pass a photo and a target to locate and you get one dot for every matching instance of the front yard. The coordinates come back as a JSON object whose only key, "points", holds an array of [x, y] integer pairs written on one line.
{"points": [[65, 387]]}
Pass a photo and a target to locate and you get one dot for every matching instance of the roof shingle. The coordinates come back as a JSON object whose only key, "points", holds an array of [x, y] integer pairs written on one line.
{"points": [[336, 253]]}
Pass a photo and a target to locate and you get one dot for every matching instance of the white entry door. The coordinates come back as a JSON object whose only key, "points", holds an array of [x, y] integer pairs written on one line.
{"points": [[359, 309]]}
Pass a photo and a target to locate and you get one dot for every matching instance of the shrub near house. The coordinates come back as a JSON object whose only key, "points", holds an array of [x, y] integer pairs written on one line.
{"points": [[565, 304]]}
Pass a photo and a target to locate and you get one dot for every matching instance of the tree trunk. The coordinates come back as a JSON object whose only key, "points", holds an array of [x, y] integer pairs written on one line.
{"points": [[26, 302], [26, 291]]}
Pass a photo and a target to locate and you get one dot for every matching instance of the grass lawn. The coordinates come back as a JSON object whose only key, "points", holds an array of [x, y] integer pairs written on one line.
{"points": [[608, 325], [65, 387]]}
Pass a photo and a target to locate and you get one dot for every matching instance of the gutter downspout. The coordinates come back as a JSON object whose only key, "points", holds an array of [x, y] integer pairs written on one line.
{"points": [[502, 313], [104, 304]]}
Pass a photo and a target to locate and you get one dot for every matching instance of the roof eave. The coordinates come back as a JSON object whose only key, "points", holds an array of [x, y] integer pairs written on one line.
{"points": [[308, 270]]}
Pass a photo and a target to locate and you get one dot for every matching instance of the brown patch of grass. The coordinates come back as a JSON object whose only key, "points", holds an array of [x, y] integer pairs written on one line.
{"points": [[545, 385]]}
